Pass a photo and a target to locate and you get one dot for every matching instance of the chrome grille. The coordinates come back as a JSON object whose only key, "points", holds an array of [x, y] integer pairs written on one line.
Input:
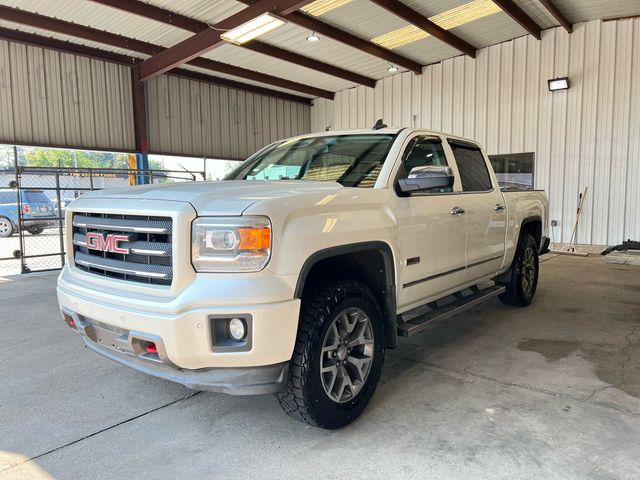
{"points": [[150, 252]]}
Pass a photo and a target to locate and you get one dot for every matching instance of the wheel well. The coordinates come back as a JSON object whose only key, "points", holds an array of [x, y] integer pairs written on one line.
{"points": [[369, 264], [533, 227]]}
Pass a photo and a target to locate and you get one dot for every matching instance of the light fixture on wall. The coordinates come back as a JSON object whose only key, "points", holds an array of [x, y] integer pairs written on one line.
{"points": [[392, 68], [252, 29], [559, 84], [313, 37]]}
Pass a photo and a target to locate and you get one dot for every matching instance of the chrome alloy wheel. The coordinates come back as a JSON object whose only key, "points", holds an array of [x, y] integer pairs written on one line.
{"points": [[5, 227], [528, 269], [347, 354]]}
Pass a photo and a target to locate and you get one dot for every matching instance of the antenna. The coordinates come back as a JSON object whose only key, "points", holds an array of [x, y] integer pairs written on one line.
{"points": [[379, 124]]}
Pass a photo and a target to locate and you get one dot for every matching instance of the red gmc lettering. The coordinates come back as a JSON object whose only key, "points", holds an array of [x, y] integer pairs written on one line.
{"points": [[107, 243]]}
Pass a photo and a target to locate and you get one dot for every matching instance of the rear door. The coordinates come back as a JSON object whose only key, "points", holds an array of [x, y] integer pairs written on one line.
{"points": [[431, 238], [484, 209]]}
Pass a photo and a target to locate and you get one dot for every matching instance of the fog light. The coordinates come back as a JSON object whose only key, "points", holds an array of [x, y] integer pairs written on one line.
{"points": [[237, 330]]}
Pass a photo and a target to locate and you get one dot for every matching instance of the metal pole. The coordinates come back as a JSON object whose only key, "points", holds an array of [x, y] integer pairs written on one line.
{"points": [[60, 222], [23, 266]]}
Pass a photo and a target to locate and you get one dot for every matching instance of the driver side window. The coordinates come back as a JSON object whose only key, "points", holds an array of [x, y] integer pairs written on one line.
{"points": [[424, 152]]}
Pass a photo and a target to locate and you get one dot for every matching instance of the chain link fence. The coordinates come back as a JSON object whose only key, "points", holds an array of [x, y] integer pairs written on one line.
{"points": [[33, 202]]}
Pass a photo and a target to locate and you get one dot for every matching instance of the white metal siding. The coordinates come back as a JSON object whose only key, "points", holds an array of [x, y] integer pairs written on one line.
{"points": [[588, 136], [53, 98], [188, 117]]}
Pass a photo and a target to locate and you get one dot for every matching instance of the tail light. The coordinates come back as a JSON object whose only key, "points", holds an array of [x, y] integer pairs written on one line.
{"points": [[26, 209]]}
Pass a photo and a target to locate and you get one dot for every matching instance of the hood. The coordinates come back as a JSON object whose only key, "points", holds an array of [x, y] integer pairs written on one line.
{"points": [[230, 197]]}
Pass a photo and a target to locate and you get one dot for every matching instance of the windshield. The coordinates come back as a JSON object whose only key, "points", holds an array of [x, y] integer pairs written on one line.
{"points": [[351, 160]]}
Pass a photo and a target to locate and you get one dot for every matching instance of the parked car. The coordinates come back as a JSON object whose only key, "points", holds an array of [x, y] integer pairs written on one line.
{"points": [[37, 210], [295, 274]]}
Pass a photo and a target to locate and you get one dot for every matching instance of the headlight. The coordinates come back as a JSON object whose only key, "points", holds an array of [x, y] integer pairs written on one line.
{"points": [[230, 244]]}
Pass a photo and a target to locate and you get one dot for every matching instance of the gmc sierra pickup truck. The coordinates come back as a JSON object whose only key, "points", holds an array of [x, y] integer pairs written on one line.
{"points": [[294, 274]]}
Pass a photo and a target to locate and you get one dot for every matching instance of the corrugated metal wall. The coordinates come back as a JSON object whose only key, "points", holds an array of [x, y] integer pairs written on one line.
{"points": [[53, 98], [188, 117], [586, 136]]}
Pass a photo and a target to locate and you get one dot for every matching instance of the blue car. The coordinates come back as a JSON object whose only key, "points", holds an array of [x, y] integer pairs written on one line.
{"points": [[37, 210]]}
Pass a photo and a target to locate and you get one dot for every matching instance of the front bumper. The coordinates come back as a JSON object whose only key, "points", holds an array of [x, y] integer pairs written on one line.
{"points": [[182, 328], [233, 381]]}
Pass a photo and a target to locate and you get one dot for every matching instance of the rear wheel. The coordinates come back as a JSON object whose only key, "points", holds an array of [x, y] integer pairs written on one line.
{"points": [[338, 356], [522, 281], [36, 230], [6, 227]]}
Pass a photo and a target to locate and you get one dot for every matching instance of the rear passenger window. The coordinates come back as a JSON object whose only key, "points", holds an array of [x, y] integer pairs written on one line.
{"points": [[474, 175], [7, 197]]}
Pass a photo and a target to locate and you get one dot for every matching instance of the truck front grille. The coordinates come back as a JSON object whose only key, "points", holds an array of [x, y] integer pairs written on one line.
{"points": [[146, 239]]}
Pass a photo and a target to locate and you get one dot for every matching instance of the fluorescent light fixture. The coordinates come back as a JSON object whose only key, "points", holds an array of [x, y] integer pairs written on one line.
{"points": [[252, 29], [559, 84], [450, 19], [313, 37], [392, 68], [320, 7]]}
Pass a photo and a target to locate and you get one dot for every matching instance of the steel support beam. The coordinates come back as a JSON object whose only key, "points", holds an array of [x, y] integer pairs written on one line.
{"points": [[60, 26], [348, 39], [190, 24], [139, 111], [557, 14], [423, 23], [515, 12], [208, 39], [90, 52]]}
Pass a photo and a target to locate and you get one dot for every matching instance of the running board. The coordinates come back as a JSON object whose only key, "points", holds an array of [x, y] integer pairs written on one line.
{"points": [[418, 324]]}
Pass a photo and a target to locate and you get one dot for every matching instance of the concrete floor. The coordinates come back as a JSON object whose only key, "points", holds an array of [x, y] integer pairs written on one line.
{"points": [[551, 391]]}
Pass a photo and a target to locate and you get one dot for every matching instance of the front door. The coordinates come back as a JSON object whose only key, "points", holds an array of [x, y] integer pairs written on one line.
{"points": [[431, 236]]}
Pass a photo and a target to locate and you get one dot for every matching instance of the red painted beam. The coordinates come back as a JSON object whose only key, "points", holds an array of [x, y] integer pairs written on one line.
{"points": [[108, 38], [90, 52], [349, 39], [139, 111], [423, 23], [186, 23], [515, 12], [206, 40], [557, 14]]}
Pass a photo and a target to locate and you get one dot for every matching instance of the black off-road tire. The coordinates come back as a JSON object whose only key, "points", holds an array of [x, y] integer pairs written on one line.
{"points": [[519, 292], [35, 230], [305, 398]]}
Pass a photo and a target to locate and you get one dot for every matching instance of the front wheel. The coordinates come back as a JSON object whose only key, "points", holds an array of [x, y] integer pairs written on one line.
{"points": [[6, 227], [522, 281], [338, 356]]}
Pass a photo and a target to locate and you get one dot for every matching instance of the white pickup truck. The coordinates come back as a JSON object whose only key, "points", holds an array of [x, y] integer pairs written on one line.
{"points": [[295, 274]]}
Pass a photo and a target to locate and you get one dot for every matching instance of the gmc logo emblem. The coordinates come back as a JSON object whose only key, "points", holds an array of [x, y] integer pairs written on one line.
{"points": [[107, 243]]}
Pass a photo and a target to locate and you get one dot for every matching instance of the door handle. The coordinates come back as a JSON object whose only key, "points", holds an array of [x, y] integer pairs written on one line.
{"points": [[498, 207], [457, 211]]}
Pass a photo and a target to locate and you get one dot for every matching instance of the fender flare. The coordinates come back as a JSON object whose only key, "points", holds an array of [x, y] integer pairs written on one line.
{"points": [[390, 310]]}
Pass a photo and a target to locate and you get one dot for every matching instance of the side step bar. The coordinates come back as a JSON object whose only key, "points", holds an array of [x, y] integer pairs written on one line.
{"points": [[418, 324]]}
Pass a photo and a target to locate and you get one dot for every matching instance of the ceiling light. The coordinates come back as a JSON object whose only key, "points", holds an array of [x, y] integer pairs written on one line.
{"points": [[320, 7], [313, 37], [392, 68], [450, 19], [559, 84], [252, 29]]}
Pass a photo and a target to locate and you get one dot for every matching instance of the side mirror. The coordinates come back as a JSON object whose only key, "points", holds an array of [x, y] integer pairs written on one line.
{"points": [[427, 178]]}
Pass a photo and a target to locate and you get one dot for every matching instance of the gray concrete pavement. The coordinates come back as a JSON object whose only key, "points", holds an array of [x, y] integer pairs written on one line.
{"points": [[551, 391]]}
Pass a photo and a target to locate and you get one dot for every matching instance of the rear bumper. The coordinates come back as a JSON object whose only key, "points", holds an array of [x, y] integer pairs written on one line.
{"points": [[233, 381], [29, 223]]}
